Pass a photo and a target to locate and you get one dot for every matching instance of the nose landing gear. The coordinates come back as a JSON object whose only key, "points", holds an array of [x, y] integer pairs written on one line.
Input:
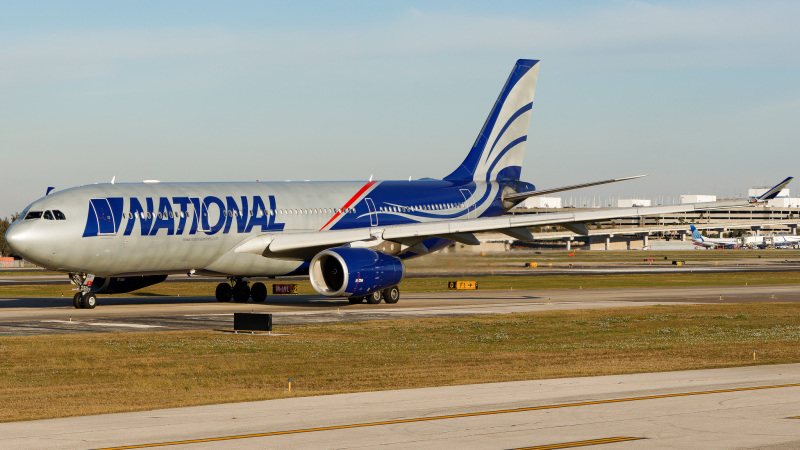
{"points": [[84, 298]]}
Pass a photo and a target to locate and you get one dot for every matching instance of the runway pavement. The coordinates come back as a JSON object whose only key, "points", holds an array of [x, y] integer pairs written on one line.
{"points": [[121, 314], [749, 407]]}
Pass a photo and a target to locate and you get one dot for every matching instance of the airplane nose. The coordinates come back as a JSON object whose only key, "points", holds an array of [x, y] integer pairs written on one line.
{"points": [[12, 237], [18, 238]]}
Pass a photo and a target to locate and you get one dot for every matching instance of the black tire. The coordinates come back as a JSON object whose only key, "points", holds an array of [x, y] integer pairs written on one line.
{"points": [[241, 292], [224, 292], [258, 292], [76, 300], [355, 300], [391, 295], [374, 298], [89, 301]]}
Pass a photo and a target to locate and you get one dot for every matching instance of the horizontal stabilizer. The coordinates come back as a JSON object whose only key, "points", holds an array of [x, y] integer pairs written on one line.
{"points": [[524, 195]]}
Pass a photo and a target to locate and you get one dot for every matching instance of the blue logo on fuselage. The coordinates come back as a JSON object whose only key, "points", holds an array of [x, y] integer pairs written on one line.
{"points": [[181, 215]]}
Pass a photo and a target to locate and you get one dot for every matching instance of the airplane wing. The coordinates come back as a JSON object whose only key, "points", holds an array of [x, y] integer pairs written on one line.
{"points": [[410, 237]]}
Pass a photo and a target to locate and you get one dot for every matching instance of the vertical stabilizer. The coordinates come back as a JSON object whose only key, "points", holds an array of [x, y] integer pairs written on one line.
{"points": [[498, 150], [696, 236]]}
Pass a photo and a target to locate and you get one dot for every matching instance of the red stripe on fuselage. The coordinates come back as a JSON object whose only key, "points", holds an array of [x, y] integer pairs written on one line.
{"points": [[349, 202]]}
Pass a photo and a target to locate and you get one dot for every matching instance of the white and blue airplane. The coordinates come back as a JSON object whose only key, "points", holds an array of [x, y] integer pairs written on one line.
{"points": [[707, 242], [350, 237]]}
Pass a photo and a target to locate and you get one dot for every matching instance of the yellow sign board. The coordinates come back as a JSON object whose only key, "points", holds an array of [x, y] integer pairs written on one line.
{"points": [[463, 285]]}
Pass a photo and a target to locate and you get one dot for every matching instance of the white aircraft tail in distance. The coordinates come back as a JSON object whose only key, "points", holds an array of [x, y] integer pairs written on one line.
{"points": [[350, 238]]}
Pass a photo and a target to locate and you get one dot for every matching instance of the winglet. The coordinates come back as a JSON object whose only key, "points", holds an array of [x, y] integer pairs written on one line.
{"points": [[772, 193]]}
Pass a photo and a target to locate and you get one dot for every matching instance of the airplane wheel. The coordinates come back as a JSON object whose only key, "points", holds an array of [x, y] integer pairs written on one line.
{"points": [[241, 292], [224, 292], [258, 292], [374, 298], [355, 300], [391, 295], [89, 301], [76, 300]]}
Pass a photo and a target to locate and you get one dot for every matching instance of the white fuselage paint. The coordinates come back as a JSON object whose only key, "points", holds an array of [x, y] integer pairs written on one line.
{"points": [[299, 206]]}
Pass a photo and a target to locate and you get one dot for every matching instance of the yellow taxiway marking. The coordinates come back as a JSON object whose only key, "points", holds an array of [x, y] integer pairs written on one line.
{"points": [[582, 443], [450, 416]]}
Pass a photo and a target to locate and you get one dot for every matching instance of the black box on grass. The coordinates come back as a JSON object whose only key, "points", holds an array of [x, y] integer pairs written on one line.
{"points": [[252, 322]]}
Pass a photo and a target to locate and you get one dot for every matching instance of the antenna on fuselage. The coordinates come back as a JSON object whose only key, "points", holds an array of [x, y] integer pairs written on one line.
{"points": [[370, 178], [113, 178]]}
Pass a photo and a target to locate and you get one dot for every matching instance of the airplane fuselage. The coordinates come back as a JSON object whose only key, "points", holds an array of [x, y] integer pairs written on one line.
{"points": [[161, 228]]}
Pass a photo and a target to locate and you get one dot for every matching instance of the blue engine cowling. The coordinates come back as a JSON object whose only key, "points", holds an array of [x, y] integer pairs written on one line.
{"points": [[121, 285], [353, 272]]}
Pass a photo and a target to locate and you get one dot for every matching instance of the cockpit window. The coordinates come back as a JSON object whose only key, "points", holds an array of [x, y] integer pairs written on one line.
{"points": [[48, 215], [34, 215], [59, 215]]}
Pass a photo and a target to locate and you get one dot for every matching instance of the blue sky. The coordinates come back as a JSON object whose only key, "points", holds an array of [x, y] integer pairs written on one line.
{"points": [[702, 95]]}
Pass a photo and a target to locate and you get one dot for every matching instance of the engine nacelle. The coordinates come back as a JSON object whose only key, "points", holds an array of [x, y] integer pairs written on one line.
{"points": [[353, 272], [120, 285]]}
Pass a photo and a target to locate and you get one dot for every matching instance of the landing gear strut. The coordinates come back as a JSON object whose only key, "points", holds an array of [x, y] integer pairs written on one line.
{"points": [[84, 298]]}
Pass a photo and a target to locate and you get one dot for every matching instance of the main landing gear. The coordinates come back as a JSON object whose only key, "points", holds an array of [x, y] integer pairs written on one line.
{"points": [[239, 291], [389, 295], [83, 299]]}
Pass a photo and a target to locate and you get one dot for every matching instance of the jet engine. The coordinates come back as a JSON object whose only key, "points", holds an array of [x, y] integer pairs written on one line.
{"points": [[120, 285], [353, 272]]}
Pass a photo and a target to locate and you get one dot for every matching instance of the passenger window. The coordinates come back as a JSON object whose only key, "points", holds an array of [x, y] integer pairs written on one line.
{"points": [[48, 215], [34, 215]]}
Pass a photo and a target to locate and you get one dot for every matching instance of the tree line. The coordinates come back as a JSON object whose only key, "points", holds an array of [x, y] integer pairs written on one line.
{"points": [[5, 250]]}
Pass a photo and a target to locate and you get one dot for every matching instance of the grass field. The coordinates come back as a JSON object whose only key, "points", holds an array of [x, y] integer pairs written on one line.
{"points": [[599, 256], [436, 284], [58, 376]]}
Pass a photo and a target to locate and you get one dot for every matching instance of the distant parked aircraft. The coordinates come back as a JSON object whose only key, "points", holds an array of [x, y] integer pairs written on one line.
{"points": [[706, 242], [763, 241]]}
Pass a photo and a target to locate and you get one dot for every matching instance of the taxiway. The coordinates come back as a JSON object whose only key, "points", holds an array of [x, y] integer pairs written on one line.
{"points": [[746, 407], [119, 314]]}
